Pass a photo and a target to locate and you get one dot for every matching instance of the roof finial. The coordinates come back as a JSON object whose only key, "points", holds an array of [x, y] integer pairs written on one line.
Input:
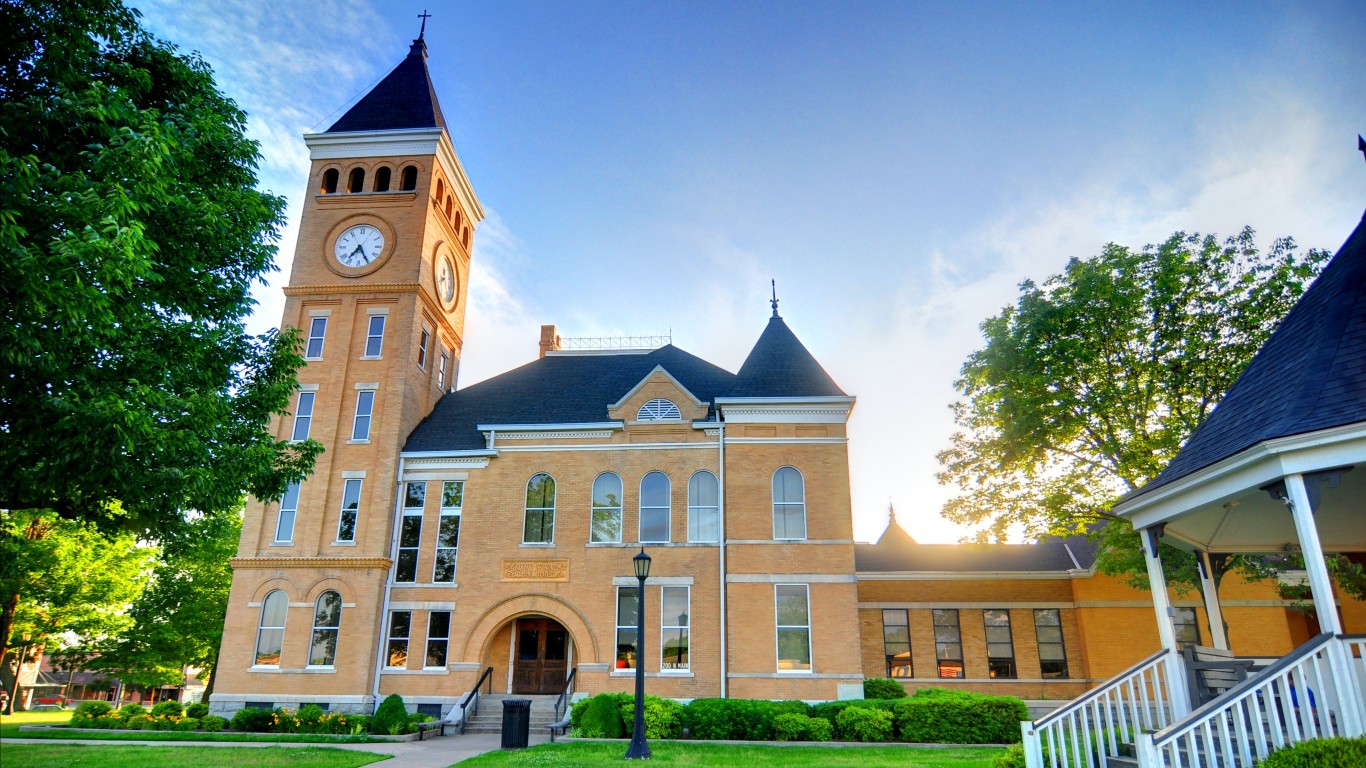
{"points": [[1361, 145], [774, 301], [891, 511], [424, 16]]}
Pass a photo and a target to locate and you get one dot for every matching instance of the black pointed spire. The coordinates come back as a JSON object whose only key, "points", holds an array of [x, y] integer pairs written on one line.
{"points": [[405, 98], [774, 302], [421, 33], [780, 366], [1361, 146]]}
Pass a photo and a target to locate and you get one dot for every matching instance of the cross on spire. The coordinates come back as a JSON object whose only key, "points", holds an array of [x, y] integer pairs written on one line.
{"points": [[424, 16], [774, 300]]}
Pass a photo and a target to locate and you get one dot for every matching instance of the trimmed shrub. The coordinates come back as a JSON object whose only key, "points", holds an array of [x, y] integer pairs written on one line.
{"points": [[865, 724], [1319, 753], [139, 723], [883, 688], [830, 710], [791, 727], [1013, 757], [309, 717], [791, 708], [111, 720], [166, 708], [736, 718], [252, 720], [197, 710], [959, 717], [129, 710], [819, 729], [187, 724], [213, 723], [93, 709], [391, 718], [601, 718], [663, 718]]}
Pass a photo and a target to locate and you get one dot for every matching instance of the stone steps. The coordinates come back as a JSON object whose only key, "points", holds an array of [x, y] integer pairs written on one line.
{"points": [[490, 717]]}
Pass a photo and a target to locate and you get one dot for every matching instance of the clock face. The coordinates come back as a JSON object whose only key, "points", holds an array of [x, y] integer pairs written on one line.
{"points": [[445, 282], [359, 245]]}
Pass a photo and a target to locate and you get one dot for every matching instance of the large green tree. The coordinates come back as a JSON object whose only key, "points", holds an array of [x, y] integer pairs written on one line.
{"points": [[131, 235], [1089, 384], [177, 621]]}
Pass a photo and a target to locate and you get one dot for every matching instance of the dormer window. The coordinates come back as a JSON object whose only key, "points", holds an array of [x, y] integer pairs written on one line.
{"points": [[659, 409]]}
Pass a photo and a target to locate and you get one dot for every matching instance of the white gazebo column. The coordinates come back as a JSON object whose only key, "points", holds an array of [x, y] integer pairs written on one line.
{"points": [[1320, 583], [1174, 670], [1210, 589]]}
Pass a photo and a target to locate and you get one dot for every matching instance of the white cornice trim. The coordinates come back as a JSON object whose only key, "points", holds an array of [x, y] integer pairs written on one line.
{"points": [[591, 425], [785, 410], [788, 440], [710, 445]]}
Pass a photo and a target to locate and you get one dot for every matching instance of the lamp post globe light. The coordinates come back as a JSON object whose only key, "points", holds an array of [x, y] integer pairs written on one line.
{"points": [[639, 750]]}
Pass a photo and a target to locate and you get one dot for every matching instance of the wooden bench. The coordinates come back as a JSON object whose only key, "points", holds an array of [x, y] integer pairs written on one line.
{"points": [[432, 725], [1211, 672]]}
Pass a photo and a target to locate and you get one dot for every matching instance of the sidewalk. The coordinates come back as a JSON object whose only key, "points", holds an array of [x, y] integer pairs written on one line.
{"points": [[432, 752]]}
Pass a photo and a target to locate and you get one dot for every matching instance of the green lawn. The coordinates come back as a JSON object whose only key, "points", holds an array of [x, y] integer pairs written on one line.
{"points": [[9, 727], [726, 756], [78, 755]]}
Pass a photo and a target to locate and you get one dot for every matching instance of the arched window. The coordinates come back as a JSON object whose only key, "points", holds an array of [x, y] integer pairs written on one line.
{"points": [[789, 504], [355, 181], [270, 633], [658, 409], [448, 206], [330, 181], [539, 527], [606, 508], [704, 510], [467, 237], [654, 507], [382, 179], [440, 189], [408, 181], [458, 219], [326, 624]]}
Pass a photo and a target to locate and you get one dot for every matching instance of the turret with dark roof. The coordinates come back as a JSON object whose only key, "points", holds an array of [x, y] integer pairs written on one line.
{"points": [[780, 366], [405, 98]]}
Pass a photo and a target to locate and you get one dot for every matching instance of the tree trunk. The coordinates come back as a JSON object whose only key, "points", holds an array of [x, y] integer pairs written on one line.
{"points": [[213, 677], [7, 612]]}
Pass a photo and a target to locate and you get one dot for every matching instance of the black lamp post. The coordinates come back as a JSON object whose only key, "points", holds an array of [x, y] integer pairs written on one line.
{"points": [[639, 750]]}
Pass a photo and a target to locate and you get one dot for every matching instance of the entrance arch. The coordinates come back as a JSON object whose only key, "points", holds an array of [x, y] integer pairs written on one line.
{"points": [[540, 653], [493, 640]]}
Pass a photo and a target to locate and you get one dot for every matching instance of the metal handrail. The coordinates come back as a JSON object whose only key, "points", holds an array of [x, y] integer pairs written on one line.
{"points": [[1094, 693], [562, 703], [471, 699]]}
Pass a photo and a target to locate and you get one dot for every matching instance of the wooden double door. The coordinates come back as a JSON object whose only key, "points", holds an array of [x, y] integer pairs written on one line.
{"points": [[541, 658]]}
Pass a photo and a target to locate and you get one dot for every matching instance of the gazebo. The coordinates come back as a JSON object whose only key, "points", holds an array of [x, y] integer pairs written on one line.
{"points": [[1278, 467]]}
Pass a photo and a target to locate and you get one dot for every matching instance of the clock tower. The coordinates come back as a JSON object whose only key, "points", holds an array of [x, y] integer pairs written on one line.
{"points": [[378, 288]]}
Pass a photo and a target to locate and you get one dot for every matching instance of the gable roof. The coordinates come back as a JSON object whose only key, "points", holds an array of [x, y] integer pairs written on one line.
{"points": [[405, 98], [1310, 375], [897, 552], [780, 366]]}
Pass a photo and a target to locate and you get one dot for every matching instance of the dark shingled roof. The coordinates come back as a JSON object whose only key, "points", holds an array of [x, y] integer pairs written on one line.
{"points": [[899, 553], [780, 366], [577, 389], [1310, 375], [405, 98]]}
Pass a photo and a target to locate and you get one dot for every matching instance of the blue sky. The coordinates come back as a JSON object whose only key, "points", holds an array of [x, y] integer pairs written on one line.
{"points": [[898, 168]]}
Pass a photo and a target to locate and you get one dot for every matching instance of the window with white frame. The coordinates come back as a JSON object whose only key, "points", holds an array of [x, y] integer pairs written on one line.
{"points": [[627, 618], [365, 406], [303, 417], [704, 511], [539, 521], [789, 504], [410, 531], [284, 522], [317, 332], [606, 525], [673, 643], [270, 631], [350, 510], [422, 349], [438, 638], [374, 336], [400, 627], [1048, 632], [792, 603], [326, 626], [654, 507], [659, 409], [448, 531], [442, 364], [1000, 645]]}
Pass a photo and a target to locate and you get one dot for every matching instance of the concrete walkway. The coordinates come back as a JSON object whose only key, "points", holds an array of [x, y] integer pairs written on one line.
{"points": [[432, 752]]}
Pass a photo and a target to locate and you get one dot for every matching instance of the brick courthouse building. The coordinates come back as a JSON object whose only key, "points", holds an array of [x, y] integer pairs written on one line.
{"points": [[448, 532]]}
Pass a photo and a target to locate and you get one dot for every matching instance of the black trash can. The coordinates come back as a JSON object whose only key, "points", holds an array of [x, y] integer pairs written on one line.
{"points": [[516, 723]]}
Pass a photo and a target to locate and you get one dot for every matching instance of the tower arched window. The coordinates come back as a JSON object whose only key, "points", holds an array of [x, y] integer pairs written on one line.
{"points": [[448, 206], [355, 181], [539, 526], [440, 189], [789, 504], [330, 177], [458, 219], [606, 508], [467, 237], [382, 179], [654, 507], [658, 409], [704, 508], [408, 180], [326, 626], [270, 632]]}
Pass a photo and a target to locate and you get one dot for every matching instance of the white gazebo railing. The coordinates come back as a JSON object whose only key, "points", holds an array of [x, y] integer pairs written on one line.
{"points": [[1313, 693], [1145, 697]]}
